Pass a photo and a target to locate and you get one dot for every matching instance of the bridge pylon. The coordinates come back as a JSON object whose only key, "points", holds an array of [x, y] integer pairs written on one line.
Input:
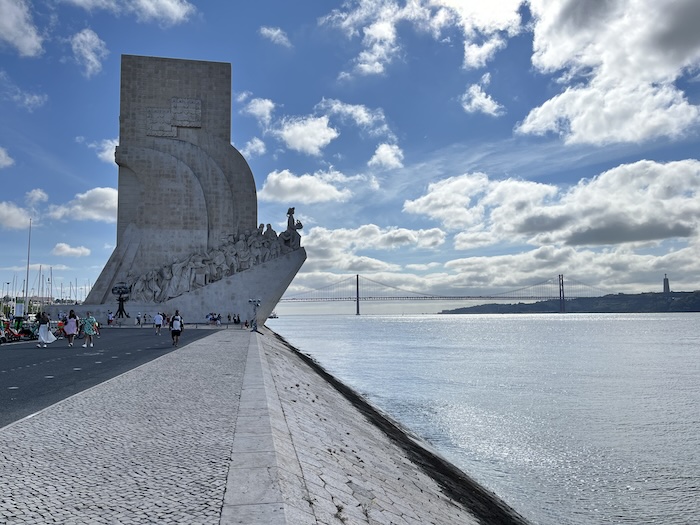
{"points": [[562, 299]]}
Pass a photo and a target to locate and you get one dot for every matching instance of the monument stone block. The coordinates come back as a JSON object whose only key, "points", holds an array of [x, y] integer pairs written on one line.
{"points": [[188, 236]]}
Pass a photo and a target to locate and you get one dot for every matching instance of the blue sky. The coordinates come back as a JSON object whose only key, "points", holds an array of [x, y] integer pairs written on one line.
{"points": [[442, 146]]}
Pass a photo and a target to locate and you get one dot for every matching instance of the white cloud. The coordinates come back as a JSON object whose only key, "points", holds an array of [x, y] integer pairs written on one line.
{"points": [[619, 63], [484, 26], [373, 121], [341, 249], [423, 267], [65, 250], [89, 51], [307, 134], [284, 186], [10, 91], [104, 148], [35, 196], [253, 148], [275, 35], [634, 204], [388, 156], [12, 217], [475, 100], [261, 109], [455, 201], [17, 28], [164, 12], [478, 55], [98, 204], [5, 159]]}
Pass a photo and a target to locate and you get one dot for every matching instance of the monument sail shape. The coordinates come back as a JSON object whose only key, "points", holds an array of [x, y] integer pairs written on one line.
{"points": [[188, 236]]}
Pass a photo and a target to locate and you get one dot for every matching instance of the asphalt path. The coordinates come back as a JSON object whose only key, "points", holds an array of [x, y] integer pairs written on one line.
{"points": [[32, 378]]}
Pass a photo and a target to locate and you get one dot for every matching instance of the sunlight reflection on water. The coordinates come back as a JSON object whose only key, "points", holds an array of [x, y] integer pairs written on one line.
{"points": [[572, 419]]}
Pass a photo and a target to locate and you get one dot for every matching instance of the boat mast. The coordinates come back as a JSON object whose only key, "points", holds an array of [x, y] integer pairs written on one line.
{"points": [[26, 287]]}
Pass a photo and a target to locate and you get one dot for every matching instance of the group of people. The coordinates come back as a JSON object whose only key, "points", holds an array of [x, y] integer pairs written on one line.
{"points": [[72, 325], [176, 324]]}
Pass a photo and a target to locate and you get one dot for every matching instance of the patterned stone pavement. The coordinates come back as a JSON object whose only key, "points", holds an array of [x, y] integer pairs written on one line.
{"points": [[233, 428]]}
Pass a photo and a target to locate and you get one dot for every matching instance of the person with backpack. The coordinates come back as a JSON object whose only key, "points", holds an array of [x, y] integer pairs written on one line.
{"points": [[177, 324]]}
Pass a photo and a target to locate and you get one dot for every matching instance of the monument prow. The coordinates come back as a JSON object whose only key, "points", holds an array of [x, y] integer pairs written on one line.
{"points": [[188, 236]]}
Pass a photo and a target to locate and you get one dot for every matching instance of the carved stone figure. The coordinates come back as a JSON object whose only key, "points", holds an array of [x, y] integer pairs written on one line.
{"points": [[291, 240]]}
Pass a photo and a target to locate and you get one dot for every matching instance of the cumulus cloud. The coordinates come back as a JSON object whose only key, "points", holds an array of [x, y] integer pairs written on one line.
{"points": [[10, 91], [307, 134], [341, 249], [275, 35], [284, 186], [642, 202], [261, 109], [618, 63], [17, 28], [65, 250], [5, 159], [13, 217], [483, 25], [476, 100], [253, 148], [387, 156], [89, 51], [97, 204]]}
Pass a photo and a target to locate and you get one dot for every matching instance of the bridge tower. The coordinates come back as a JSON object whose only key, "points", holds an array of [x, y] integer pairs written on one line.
{"points": [[562, 299]]}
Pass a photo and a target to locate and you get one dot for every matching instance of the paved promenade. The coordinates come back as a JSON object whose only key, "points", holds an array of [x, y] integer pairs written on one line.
{"points": [[234, 428]]}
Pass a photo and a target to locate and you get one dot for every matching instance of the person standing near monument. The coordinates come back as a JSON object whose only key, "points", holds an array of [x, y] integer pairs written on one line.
{"points": [[90, 329], [158, 322], [176, 327], [70, 327]]}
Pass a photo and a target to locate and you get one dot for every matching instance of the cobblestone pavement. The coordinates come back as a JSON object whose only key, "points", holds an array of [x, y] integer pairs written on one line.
{"points": [[152, 445], [233, 428]]}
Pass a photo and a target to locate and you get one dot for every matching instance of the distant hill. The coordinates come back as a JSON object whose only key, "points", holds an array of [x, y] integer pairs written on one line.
{"points": [[618, 303]]}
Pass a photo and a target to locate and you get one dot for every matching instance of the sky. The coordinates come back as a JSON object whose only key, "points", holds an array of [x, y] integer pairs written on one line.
{"points": [[448, 147]]}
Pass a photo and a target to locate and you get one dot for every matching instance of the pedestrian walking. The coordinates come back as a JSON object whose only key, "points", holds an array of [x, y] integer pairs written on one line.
{"points": [[158, 322], [70, 327], [177, 324], [45, 335], [90, 328]]}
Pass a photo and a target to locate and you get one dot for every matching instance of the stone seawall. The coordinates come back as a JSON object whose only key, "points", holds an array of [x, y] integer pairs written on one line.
{"points": [[448, 484]]}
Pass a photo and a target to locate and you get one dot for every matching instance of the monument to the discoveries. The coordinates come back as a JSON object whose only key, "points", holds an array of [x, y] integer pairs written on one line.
{"points": [[188, 236]]}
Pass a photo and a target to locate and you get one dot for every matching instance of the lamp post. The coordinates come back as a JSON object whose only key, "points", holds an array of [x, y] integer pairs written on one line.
{"points": [[254, 322]]}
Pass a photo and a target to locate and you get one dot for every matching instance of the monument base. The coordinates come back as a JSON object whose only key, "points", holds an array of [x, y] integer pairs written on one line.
{"points": [[251, 293]]}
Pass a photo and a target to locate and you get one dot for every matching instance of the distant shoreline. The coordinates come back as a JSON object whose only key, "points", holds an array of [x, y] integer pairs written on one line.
{"points": [[617, 303]]}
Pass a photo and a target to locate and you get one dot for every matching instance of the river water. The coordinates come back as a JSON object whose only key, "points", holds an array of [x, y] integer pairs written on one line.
{"points": [[571, 419]]}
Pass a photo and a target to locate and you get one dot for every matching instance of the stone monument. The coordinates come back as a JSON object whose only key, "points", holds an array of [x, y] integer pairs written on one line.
{"points": [[188, 236]]}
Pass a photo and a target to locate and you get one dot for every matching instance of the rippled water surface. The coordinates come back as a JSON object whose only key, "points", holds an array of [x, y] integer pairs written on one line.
{"points": [[571, 419]]}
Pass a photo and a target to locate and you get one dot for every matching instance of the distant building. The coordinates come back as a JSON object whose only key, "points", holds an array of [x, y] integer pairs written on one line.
{"points": [[667, 286]]}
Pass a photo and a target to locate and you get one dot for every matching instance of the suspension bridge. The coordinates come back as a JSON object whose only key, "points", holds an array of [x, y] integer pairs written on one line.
{"points": [[358, 289]]}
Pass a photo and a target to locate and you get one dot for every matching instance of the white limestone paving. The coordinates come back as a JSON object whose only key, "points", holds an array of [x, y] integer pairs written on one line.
{"points": [[236, 427]]}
